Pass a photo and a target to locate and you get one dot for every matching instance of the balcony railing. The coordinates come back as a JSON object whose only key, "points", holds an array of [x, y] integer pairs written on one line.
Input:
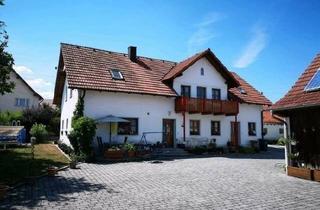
{"points": [[206, 106]]}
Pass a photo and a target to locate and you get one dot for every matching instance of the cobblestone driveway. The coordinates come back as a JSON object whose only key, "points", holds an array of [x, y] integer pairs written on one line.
{"points": [[234, 182]]}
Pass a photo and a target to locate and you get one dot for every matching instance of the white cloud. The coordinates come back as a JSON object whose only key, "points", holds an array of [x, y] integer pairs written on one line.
{"points": [[38, 83], [253, 48], [22, 69], [203, 34], [46, 94]]}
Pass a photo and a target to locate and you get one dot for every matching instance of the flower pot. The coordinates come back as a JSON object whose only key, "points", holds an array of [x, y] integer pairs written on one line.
{"points": [[316, 175], [303, 173], [73, 164], [52, 171], [3, 191], [131, 154], [114, 154]]}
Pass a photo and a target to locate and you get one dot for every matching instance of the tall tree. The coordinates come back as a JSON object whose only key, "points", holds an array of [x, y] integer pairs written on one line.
{"points": [[6, 60]]}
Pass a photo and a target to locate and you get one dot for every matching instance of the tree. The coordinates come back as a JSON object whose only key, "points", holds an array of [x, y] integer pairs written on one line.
{"points": [[6, 61]]}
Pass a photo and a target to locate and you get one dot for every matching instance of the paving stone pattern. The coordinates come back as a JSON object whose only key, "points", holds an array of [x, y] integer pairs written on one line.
{"points": [[231, 182]]}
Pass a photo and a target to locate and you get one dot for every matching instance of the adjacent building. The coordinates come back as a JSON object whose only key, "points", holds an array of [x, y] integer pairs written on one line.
{"points": [[190, 102], [273, 126], [22, 97], [301, 109]]}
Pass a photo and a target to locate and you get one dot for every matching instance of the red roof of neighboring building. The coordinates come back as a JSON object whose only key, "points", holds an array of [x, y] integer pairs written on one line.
{"points": [[268, 118], [248, 94], [89, 68], [297, 97]]}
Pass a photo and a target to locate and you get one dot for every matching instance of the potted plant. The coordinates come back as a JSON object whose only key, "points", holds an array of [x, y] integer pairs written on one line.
{"points": [[130, 149], [52, 171], [316, 175], [3, 190], [74, 161], [114, 153]]}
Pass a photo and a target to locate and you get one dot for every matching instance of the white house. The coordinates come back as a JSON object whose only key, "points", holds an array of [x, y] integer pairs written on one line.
{"points": [[190, 102], [273, 126], [22, 97]]}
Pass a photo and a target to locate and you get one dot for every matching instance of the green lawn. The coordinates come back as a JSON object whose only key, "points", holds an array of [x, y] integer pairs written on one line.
{"points": [[16, 163]]}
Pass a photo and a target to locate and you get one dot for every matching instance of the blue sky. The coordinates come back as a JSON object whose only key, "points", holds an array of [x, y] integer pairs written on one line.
{"points": [[269, 43]]}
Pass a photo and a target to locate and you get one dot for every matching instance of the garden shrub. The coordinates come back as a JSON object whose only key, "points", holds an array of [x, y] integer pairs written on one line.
{"points": [[39, 131], [7, 117], [65, 148], [247, 150], [282, 141], [198, 150], [84, 129]]}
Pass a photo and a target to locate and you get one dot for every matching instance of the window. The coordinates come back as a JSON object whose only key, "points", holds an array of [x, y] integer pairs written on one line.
{"points": [[62, 125], [215, 128], [202, 71], [251, 128], [194, 127], [66, 92], [265, 131], [22, 102], [70, 93], [216, 94], [128, 128], [201, 92], [280, 130], [116, 74], [185, 91], [242, 91], [67, 124]]}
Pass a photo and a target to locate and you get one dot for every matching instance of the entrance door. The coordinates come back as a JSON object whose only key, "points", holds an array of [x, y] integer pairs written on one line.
{"points": [[235, 134], [168, 132]]}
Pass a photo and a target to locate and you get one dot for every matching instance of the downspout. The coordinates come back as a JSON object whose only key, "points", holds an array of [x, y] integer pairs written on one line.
{"points": [[262, 123], [287, 148], [184, 126]]}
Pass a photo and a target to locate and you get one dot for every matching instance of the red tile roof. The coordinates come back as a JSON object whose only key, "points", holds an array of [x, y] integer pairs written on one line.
{"points": [[89, 68], [297, 97], [250, 94], [268, 118]]}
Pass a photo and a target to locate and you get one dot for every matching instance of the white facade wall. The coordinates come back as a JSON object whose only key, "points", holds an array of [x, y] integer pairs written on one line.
{"points": [[150, 111], [273, 131], [210, 79], [8, 101], [68, 105], [247, 113]]}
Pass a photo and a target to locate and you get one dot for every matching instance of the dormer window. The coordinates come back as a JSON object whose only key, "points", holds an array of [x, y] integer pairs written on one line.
{"points": [[116, 74], [202, 71], [242, 91]]}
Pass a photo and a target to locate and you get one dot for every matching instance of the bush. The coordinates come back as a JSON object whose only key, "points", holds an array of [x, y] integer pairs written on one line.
{"points": [[39, 131], [129, 147], [282, 141], [247, 150], [65, 148], [198, 150], [80, 137], [7, 117]]}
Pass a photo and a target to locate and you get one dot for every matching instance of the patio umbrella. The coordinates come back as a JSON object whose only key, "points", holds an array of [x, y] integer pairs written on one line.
{"points": [[110, 119]]}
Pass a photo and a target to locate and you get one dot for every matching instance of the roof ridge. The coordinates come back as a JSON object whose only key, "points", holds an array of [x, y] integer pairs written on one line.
{"points": [[125, 54]]}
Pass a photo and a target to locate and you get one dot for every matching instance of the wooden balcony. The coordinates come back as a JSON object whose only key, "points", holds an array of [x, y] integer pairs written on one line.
{"points": [[206, 106]]}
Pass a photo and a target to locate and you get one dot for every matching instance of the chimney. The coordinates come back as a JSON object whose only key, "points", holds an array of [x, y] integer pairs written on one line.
{"points": [[132, 53]]}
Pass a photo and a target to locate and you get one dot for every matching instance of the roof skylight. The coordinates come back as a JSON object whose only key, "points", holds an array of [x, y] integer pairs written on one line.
{"points": [[116, 74], [314, 83], [242, 91]]}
